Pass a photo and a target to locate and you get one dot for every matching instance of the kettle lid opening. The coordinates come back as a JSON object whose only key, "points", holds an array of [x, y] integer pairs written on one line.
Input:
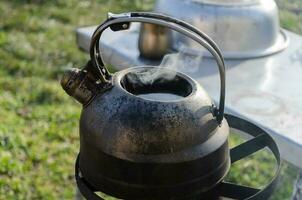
{"points": [[157, 84]]}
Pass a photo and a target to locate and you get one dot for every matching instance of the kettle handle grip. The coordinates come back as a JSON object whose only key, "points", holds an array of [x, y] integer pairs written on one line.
{"points": [[122, 21]]}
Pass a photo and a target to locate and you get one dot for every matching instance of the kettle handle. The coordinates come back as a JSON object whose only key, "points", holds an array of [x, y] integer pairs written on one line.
{"points": [[118, 22]]}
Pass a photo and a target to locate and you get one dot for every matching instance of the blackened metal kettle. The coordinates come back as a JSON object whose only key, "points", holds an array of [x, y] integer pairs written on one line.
{"points": [[135, 146]]}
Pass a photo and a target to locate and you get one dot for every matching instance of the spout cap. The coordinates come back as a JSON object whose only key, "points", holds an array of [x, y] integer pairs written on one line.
{"points": [[69, 79], [75, 84]]}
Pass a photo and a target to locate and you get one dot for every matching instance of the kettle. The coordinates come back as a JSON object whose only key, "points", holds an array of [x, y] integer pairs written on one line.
{"points": [[135, 144]]}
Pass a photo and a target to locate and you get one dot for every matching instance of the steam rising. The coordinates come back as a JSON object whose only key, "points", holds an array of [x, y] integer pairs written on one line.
{"points": [[186, 61]]}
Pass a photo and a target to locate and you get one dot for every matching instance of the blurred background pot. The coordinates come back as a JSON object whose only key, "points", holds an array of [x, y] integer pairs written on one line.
{"points": [[242, 28], [154, 41]]}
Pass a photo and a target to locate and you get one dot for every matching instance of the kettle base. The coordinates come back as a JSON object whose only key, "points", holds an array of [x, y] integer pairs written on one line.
{"points": [[176, 192], [261, 140]]}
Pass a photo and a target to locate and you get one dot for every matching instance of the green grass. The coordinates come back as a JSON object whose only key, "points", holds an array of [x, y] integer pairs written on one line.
{"points": [[39, 122], [291, 14]]}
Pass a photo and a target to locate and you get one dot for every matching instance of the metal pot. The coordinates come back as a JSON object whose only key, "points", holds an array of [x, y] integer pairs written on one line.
{"points": [[154, 41], [135, 147], [241, 28]]}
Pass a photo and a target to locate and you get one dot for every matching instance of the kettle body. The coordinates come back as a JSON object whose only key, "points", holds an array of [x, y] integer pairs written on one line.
{"points": [[143, 143], [148, 132]]}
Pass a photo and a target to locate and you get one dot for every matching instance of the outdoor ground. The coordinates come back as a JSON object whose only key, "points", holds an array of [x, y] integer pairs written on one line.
{"points": [[39, 122]]}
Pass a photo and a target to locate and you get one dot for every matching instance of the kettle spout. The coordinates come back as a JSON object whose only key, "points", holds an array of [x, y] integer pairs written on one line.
{"points": [[77, 84]]}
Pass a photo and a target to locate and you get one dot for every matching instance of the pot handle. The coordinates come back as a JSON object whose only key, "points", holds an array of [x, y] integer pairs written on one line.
{"points": [[118, 22]]}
